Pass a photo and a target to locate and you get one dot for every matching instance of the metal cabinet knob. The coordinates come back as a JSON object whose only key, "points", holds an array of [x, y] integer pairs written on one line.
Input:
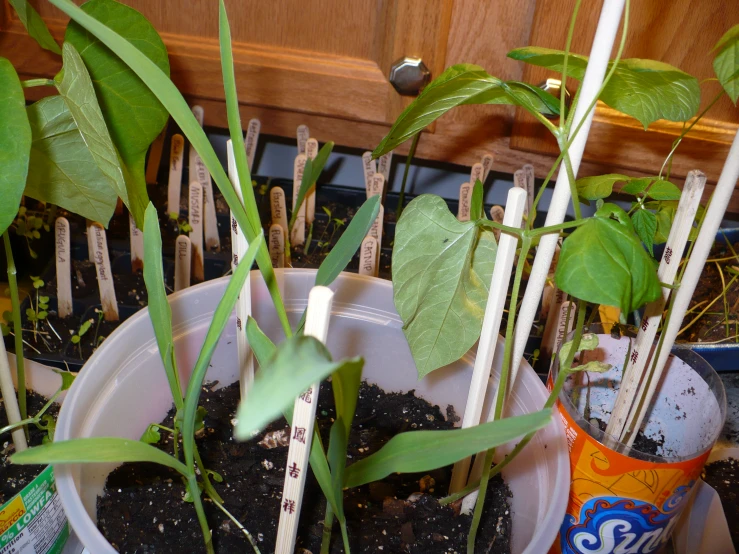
{"points": [[409, 75]]}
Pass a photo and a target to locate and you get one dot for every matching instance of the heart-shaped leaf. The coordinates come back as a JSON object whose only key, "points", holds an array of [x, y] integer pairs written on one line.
{"points": [[441, 276], [726, 62]]}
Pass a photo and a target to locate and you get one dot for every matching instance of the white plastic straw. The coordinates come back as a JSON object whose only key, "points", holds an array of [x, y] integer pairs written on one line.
{"points": [[11, 402]]}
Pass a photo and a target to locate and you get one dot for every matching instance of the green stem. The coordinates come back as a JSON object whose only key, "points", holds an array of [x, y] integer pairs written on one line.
{"points": [[401, 197], [38, 83], [563, 84], [192, 486], [328, 523], [18, 333], [573, 185], [238, 524], [32, 420]]}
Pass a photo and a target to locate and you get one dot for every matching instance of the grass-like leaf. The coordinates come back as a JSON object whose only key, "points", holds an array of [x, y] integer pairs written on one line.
{"points": [[259, 343], [311, 173]]}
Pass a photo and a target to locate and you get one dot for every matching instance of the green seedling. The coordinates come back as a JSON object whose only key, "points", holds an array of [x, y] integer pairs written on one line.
{"points": [[81, 332], [183, 225]]}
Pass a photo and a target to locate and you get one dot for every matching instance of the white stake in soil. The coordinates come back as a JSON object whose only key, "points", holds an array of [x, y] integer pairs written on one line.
{"points": [[634, 370], [155, 157], [297, 237], [10, 401], [311, 150], [303, 135], [199, 172], [714, 214], [278, 207], [368, 254], [317, 319], [104, 275], [63, 267], [250, 144], [376, 185], [182, 261], [137, 245], [490, 327], [476, 174], [487, 165], [277, 245], [369, 167], [497, 214], [195, 218], [174, 186], [465, 198]]}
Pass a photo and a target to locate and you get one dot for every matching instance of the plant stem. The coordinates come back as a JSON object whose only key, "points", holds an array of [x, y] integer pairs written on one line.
{"points": [[563, 83], [192, 486], [328, 523], [32, 420], [18, 334], [401, 197], [38, 83], [238, 524]]}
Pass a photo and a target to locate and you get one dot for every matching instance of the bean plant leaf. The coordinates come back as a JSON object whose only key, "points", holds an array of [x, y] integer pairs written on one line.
{"points": [[98, 449], [15, 143], [599, 186], [35, 26], [441, 276], [417, 451], [645, 225], [299, 362], [636, 186], [726, 62], [134, 115], [647, 90], [61, 170], [663, 190], [603, 262]]}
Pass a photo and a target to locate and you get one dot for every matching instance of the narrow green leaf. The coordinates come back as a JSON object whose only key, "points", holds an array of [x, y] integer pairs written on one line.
{"points": [[159, 310], [664, 190], [645, 225], [35, 26], [417, 451], [600, 186], [338, 440], [441, 276], [726, 62], [134, 115], [15, 143], [98, 449], [264, 349], [61, 170], [299, 362], [345, 383], [477, 206], [311, 173]]}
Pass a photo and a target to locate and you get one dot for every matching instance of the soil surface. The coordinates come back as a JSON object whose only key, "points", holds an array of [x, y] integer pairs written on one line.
{"points": [[642, 443], [142, 509], [722, 476], [14, 477]]}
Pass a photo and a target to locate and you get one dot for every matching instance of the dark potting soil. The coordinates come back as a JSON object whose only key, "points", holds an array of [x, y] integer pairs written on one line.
{"points": [[14, 477], [143, 511], [723, 476], [642, 443]]}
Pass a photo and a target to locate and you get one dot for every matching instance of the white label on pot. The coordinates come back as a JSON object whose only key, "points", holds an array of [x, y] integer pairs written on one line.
{"points": [[311, 150], [465, 197], [33, 521], [383, 165], [376, 229], [105, 276], [528, 171], [476, 174], [519, 181], [297, 237], [195, 218], [63, 267], [137, 245], [182, 261], [278, 207], [277, 245], [252, 138], [369, 167], [303, 136], [487, 165], [155, 157], [174, 185], [376, 185], [368, 256], [497, 213]]}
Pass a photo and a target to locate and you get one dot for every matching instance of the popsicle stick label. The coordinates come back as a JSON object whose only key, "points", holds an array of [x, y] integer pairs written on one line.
{"points": [[278, 207], [368, 256], [311, 150], [196, 235], [90, 251], [199, 114], [565, 323], [476, 173], [550, 327], [155, 157], [528, 171], [487, 165], [376, 185], [383, 165], [137, 245], [519, 181], [252, 138], [297, 237], [369, 167], [174, 185], [303, 136], [376, 229], [104, 275], [465, 197], [182, 263], [497, 213], [277, 245], [63, 267], [200, 172]]}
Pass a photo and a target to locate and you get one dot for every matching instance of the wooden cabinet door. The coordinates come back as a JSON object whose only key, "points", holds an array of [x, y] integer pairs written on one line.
{"points": [[323, 57]]}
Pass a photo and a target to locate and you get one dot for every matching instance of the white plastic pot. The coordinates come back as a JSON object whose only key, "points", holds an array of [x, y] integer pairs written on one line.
{"points": [[122, 389]]}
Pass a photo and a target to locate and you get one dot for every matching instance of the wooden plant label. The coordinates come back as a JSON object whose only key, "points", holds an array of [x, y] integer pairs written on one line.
{"points": [[376, 185], [137, 245], [196, 235], [104, 275], [174, 185], [497, 213], [277, 245], [182, 263], [303, 136], [487, 165], [311, 150], [369, 167], [519, 181], [477, 173], [565, 323], [63, 267], [376, 229], [528, 170], [199, 172], [368, 256], [297, 236], [383, 165], [155, 157], [465, 198], [278, 207], [252, 138], [199, 114], [90, 251], [558, 297]]}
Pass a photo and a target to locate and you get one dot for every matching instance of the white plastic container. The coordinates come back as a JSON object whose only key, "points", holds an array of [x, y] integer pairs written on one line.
{"points": [[122, 389]]}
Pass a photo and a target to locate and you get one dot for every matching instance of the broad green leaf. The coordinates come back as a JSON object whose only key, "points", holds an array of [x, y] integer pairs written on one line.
{"points": [[77, 90], [726, 62], [664, 217], [603, 262], [159, 310], [645, 225], [637, 186], [311, 173], [15, 143], [67, 377], [35, 26], [98, 449], [644, 89], [134, 115], [600, 186], [61, 170], [259, 343], [441, 276], [477, 207], [663, 190], [151, 435], [417, 451], [299, 362]]}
